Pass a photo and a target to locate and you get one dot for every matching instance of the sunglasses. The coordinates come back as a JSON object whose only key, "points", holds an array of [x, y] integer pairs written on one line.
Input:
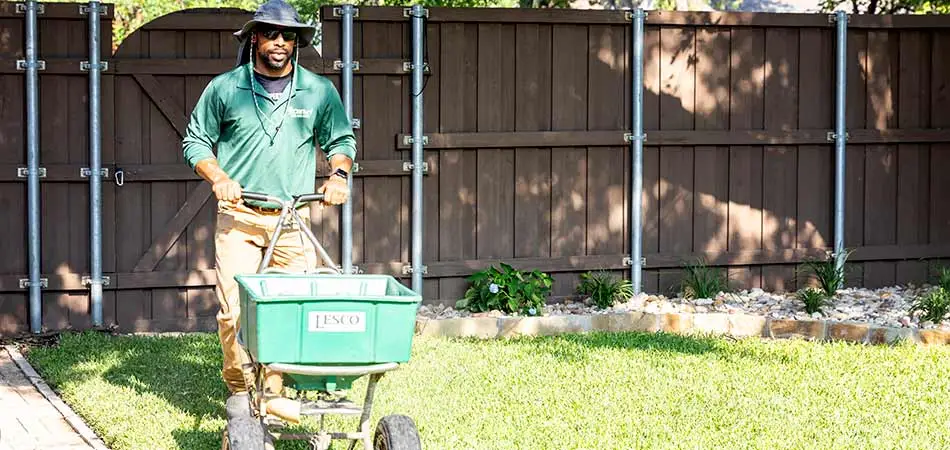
{"points": [[272, 33]]}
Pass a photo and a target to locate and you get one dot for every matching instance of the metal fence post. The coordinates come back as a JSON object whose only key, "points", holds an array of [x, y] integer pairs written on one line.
{"points": [[347, 82], [636, 138], [33, 171], [418, 25], [841, 68], [95, 165]]}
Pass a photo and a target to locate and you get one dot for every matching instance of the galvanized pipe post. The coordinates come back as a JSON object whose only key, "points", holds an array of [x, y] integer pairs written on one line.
{"points": [[418, 25], [841, 136], [95, 165], [347, 82], [636, 138], [33, 170]]}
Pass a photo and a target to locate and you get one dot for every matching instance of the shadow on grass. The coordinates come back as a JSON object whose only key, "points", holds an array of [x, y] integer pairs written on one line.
{"points": [[183, 372]]}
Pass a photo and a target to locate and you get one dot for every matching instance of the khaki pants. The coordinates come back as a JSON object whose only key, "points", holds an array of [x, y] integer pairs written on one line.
{"points": [[241, 237]]}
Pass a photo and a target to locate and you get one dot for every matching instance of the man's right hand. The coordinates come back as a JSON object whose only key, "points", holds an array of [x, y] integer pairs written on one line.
{"points": [[227, 190], [224, 188]]}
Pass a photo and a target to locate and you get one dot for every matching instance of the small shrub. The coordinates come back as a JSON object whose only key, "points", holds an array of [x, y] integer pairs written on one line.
{"points": [[943, 278], [829, 277], [702, 281], [506, 289], [813, 299], [604, 289], [935, 305]]}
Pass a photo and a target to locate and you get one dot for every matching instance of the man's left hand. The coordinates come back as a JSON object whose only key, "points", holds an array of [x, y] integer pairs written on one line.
{"points": [[335, 190]]}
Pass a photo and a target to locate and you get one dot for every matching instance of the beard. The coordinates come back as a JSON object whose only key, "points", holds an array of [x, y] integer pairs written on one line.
{"points": [[274, 59]]}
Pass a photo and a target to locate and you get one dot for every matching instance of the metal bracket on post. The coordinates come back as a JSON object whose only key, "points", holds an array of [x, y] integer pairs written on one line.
{"points": [[87, 280], [408, 166], [408, 140], [338, 12], [22, 64], [86, 172], [21, 8], [407, 12], [25, 283], [407, 269], [84, 66], [628, 261], [832, 136], [338, 65], [832, 18], [84, 10], [629, 137], [24, 172], [355, 123], [407, 67], [629, 15]]}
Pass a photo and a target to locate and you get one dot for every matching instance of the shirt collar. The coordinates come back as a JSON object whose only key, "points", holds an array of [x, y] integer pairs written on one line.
{"points": [[245, 81]]}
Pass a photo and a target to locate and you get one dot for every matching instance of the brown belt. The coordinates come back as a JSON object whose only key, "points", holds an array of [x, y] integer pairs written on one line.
{"points": [[262, 210]]}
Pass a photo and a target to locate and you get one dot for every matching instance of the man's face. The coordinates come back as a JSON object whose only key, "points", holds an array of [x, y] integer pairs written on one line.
{"points": [[275, 45]]}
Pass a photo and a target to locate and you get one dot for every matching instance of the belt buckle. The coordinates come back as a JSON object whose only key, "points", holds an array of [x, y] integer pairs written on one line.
{"points": [[264, 210]]}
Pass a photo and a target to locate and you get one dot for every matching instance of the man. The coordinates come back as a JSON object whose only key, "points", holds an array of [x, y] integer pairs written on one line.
{"points": [[266, 116]]}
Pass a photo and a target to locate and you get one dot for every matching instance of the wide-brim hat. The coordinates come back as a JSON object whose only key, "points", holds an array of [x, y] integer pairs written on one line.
{"points": [[280, 13]]}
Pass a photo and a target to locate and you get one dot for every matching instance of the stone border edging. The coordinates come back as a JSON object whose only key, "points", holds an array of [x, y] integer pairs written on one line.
{"points": [[735, 325], [68, 414]]}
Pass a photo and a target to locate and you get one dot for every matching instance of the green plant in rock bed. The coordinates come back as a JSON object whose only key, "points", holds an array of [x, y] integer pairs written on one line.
{"points": [[506, 289], [943, 278], [813, 299], [935, 305], [829, 277], [702, 281], [604, 289]]}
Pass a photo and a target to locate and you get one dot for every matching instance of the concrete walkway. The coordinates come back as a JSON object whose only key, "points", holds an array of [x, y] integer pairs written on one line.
{"points": [[32, 416]]}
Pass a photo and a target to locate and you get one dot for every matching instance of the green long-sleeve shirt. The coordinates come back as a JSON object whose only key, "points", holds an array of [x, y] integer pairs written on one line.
{"points": [[284, 166]]}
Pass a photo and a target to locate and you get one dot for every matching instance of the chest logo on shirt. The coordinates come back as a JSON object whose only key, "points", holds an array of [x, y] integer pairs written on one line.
{"points": [[300, 113]]}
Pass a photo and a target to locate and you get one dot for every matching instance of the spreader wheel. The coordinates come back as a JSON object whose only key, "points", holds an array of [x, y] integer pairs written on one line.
{"points": [[396, 432]]}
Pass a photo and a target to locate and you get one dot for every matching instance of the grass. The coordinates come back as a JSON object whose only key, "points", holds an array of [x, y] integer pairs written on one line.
{"points": [[603, 391]]}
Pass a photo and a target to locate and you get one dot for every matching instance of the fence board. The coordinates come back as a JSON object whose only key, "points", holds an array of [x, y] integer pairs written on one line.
{"points": [[913, 160], [532, 207], [747, 58], [568, 165], [457, 186], [496, 112]]}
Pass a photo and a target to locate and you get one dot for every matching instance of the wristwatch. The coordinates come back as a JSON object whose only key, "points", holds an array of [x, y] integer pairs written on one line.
{"points": [[340, 173]]}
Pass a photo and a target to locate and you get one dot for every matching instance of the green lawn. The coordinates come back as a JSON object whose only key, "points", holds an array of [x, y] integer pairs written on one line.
{"points": [[599, 391]]}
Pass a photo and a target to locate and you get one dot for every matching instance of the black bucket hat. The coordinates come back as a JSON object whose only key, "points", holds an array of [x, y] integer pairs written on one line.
{"points": [[280, 13]]}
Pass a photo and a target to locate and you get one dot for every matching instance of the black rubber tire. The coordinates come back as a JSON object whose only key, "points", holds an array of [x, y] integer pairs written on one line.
{"points": [[396, 432], [245, 433]]}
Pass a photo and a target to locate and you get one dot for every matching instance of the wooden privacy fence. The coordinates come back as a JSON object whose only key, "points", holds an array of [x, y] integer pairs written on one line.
{"points": [[525, 116]]}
